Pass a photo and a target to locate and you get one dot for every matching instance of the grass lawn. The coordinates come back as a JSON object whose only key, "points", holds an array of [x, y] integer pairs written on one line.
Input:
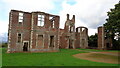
{"points": [[62, 58], [0, 57]]}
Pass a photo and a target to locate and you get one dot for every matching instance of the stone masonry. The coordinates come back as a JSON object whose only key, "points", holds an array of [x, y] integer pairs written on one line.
{"points": [[103, 42], [40, 32], [35, 31]]}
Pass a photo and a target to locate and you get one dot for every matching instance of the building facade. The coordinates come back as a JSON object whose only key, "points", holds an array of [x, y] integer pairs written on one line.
{"points": [[35, 31], [40, 32]]}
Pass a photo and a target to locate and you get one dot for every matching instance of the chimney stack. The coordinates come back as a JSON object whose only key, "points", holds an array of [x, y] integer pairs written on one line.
{"points": [[67, 16], [73, 18]]}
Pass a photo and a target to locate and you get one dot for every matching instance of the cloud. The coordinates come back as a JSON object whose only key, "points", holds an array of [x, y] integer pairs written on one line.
{"points": [[29, 5], [89, 13], [3, 31], [3, 27]]}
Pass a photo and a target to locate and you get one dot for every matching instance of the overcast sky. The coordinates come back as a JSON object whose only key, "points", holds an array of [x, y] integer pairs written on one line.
{"points": [[88, 13]]}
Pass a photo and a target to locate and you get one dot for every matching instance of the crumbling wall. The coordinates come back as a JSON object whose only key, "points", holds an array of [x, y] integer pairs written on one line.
{"points": [[48, 30], [16, 28], [81, 37], [68, 36], [104, 42]]}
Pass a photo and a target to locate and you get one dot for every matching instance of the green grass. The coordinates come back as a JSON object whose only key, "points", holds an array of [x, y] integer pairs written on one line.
{"points": [[62, 58], [0, 57]]}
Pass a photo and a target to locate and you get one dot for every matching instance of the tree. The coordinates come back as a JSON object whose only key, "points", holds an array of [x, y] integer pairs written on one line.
{"points": [[92, 41], [112, 26]]}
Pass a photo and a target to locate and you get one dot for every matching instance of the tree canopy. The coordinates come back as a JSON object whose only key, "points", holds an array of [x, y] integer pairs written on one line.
{"points": [[92, 40], [112, 26]]}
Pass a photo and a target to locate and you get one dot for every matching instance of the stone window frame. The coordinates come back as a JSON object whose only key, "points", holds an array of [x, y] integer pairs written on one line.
{"points": [[49, 41], [37, 39], [53, 21], [21, 38], [40, 19]]}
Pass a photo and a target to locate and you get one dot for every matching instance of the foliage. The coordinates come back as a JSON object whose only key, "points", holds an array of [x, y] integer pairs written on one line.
{"points": [[62, 58], [92, 40], [112, 26], [3, 45]]}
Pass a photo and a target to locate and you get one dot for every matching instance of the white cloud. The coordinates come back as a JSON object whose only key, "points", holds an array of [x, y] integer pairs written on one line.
{"points": [[29, 5], [89, 13], [24, 5], [92, 31], [3, 27]]}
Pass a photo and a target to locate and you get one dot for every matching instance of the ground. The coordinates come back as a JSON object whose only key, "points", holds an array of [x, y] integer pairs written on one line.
{"points": [[62, 58], [105, 57]]}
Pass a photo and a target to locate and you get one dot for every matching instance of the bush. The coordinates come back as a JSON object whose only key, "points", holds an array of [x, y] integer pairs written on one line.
{"points": [[3, 45]]}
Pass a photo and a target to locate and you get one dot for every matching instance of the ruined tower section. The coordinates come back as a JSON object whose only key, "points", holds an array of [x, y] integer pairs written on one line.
{"points": [[19, 31], [68, 37], [104, 40], [81, 37], [44, 32], [101, 38]]}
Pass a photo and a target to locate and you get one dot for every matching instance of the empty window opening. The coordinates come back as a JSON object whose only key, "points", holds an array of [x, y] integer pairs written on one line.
{"points": [[40, 20], [52, 20], [69, 28], [51, 41], [78, 29], [72, 29], [20, 18], [83, 29], [53, 24], [25, 47], [19, 38], [70, 44]]}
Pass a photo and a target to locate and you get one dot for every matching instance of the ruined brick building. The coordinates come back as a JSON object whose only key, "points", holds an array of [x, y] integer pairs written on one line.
{"points": [[73, 38], [40, 32], [103, 41]]}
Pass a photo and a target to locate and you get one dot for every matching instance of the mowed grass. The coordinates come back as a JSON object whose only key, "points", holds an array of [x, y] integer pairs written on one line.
{"points": [[62, 58], [0, 57]]}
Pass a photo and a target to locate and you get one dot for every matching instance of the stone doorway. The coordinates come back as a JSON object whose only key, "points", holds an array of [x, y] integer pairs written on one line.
{"points": [[25, 46], [71, 44], [51, 41]]}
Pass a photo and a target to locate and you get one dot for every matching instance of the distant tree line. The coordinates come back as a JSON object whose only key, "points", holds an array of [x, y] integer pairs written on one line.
{"points": [[3, 44], [92, 41], [112, 26]]}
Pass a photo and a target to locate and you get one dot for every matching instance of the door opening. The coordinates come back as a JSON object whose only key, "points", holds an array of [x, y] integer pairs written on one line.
{"points": [[70, 44], [25, 46], [51, 41]]}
